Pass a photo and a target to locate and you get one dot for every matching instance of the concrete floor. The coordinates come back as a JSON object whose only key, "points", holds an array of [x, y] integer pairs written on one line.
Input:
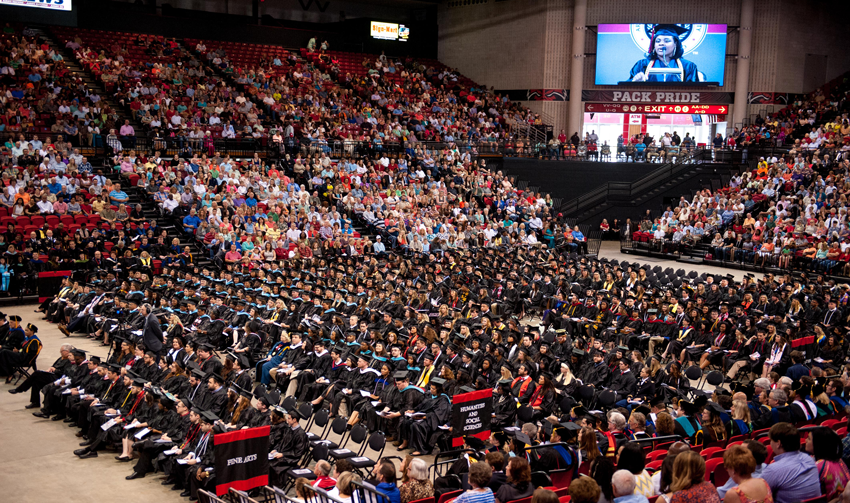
{"points": [[611, 250], [39, 464]]}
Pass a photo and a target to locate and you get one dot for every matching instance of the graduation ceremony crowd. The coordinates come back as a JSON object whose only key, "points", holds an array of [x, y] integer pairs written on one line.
{"points": [[460, 281]]}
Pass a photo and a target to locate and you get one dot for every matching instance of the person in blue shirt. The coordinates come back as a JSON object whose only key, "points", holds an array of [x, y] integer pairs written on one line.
{"points": [[385, 474], [797, 370], [118, 196], [640, 147], [54, 187], [580, 240], [191, 222], [793, 475]]}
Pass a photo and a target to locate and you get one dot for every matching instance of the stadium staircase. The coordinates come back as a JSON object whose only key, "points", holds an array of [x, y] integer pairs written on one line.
{"points": [[654, 190]]}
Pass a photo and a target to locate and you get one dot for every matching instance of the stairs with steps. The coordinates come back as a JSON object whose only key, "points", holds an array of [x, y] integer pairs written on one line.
{"points": [[687, 183]]}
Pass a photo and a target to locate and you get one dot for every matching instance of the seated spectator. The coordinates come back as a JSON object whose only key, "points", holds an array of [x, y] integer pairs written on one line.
{"points": [[741, 464], [542, 495], [793, 475], [632, 458], [759, 453], [323, 475], [825, 445], [602, 470], [584, 490], [623, 483], [518, 482], [689, 484], [479, 478], [385, 475], [345, 486], [418, 485]]}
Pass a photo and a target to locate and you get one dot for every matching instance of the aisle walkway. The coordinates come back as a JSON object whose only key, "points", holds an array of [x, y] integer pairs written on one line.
{"points": [[611, 250]]}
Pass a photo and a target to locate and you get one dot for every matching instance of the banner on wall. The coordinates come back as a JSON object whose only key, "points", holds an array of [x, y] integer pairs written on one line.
{"points": [[535, 94], [757, 98], [471, 414], [64, 5], [242, 459], [678, 108], [659, 97]]}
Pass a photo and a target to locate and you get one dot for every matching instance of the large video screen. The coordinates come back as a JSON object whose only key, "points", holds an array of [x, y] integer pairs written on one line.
{"points": [[662, 53], [41, 4], [389, 31]]}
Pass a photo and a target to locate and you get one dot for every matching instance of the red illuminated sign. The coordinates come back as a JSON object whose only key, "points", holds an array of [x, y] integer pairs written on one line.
{"points": [[675, 108]]}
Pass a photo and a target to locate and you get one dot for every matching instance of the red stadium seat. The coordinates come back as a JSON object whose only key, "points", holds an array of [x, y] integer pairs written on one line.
{"points": [[710, 466], [654, 465], [719, 476], [656, 455]]}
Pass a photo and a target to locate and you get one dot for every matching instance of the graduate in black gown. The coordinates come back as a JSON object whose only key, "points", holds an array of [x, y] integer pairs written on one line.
{"points": [[504, 406], [22, 355], [173, 429], [289, 449], [437, 407]]}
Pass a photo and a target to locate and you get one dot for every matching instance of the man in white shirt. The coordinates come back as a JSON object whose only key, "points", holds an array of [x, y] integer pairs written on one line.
{"points": [[45, 206]]}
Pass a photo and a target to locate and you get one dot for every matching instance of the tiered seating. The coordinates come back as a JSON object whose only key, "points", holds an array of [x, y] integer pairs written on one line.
{"points": [[244, 56], [133, 47]]}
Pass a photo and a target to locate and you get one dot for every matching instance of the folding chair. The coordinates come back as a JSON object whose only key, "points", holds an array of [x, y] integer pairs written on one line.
{"points": [[357, 435], [26, 370], [321, 419], [377, 442], [338, 426], [319, 453]]}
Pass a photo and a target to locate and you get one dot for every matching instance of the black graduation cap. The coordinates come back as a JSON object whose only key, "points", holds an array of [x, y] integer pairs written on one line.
{"points": [[15, 317], [578, 352], [567, 429], [140, 381], [78, 352], [643, 409], [208, 417], [216, 377], [688, 408], [439, 381], [32, 328], [428, 355], [197, 372], [113, 367], [474, 442], [294, 413], [522, 437], [400, 375], [715, 408], [657, 401], [579, 411]]}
